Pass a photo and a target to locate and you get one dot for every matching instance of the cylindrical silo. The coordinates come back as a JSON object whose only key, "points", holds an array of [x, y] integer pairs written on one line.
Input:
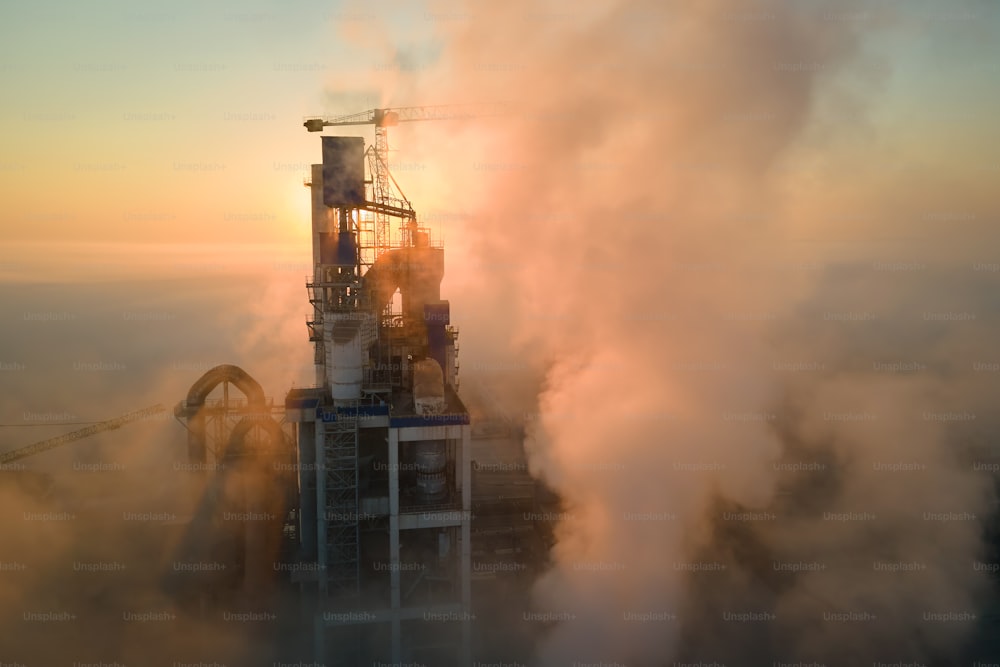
{"points": [[428, 387], [342, 335], [430, 458]]}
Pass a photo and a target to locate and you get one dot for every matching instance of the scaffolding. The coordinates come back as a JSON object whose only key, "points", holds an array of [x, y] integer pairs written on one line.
{"points": [[340, 447]]}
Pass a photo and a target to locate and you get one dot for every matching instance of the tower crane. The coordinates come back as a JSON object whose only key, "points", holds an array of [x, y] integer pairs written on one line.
{"points": [[66, 438], [386, 203]]}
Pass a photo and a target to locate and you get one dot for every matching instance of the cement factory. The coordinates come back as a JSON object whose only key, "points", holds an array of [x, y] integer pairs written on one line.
{"points": [[373, 500], [379, 516], [369, 518]]}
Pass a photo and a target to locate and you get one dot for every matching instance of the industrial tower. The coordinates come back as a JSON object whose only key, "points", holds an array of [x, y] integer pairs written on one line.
{"points": [[383, 437]]}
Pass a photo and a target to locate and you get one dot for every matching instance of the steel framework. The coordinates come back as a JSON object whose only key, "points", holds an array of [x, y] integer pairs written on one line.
{"points": [[342, 537]]}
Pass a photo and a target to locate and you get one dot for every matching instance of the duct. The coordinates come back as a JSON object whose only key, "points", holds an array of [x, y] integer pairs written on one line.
{"points": [[200, 390], [428, 387], [225, 373], [436, 317], [237, 439], [416, 272], [338, 248]]}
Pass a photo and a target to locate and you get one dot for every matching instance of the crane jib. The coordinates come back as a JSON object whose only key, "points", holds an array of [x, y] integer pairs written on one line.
{"points": [[51, 443]]}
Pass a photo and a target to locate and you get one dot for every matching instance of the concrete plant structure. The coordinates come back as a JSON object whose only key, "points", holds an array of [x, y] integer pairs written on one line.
{"points": [[383, 438]]}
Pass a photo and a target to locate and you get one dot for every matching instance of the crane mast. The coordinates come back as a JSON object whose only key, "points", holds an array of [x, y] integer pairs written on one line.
{"points": [[384, 186], [381, 189]]}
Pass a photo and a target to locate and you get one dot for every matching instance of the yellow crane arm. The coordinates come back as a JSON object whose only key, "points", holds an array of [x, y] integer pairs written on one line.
{"points": [[395, 115], [51, 443]]}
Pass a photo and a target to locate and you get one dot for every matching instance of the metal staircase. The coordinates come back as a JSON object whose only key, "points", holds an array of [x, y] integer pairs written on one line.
{"points": [[341, 461]]}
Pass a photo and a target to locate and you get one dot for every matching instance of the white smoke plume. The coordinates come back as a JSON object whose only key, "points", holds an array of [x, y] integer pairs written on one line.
{"points": [[747, 356]]}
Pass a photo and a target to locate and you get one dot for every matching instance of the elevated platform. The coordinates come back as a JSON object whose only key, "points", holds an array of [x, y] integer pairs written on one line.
{"points": [[310, 404]]}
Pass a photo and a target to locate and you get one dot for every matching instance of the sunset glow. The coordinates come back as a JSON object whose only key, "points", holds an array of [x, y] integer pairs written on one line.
{"points": [[720, 281]]}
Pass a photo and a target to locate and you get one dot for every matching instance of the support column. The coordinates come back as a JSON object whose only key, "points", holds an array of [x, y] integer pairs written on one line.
{"points": [[197, 452], [394, 586], [319, 638], [321, 550], [307, 496], [465, 461]]}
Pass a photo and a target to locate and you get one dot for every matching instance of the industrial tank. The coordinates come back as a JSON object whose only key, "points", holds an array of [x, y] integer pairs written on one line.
{"points": [[343, 340], [430, 458]]}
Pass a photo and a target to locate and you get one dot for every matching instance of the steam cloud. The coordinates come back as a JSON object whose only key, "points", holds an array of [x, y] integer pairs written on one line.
{"points": [[762, 331], [750, 338]]}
